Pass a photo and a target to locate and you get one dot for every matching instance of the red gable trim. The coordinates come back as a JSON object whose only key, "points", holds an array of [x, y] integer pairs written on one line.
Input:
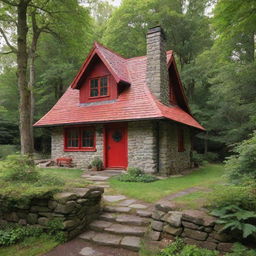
{"points": [[96, 51]]}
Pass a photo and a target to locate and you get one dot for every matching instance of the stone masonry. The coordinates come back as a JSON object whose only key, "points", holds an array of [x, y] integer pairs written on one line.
{"points": [[194, 226], [150, 144], [157, 75]]}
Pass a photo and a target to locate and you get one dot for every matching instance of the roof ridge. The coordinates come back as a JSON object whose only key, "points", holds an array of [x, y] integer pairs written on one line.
{"points": [[96, 43]]}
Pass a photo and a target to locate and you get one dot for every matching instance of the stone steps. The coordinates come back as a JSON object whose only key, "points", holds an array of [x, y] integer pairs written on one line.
{"points": [[120, 241], [125, 219]]}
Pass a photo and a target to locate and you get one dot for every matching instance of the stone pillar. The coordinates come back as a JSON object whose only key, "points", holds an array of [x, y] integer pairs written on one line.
{"points": [[157, 73]]}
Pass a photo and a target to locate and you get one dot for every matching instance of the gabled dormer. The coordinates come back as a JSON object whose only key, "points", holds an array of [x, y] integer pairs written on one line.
{"points": [[102, 76]]}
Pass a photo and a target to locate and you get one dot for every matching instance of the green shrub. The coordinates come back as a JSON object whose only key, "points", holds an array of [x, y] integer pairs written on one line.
{"points": [[55, 227], [236, 219], [15, 233], [6, 150], [97, 162], [241, 166], [211, 157], [19, 168], [198, 159], [179, 248], [136, 175], [243, 197], [240, 250]]}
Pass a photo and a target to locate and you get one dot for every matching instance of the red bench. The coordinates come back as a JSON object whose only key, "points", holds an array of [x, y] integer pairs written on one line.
{"points": [[64, 161]]}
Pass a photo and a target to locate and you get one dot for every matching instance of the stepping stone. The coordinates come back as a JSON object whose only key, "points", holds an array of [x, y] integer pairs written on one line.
{"points": [[126, 230], [127, 202], [88, 251], [131, 242], [108, 216], [107, 239], [138, 206], [98, 178], [132, 220], [88, 235], [113, 199], [100, 225], [117, 209], [143, 213]]}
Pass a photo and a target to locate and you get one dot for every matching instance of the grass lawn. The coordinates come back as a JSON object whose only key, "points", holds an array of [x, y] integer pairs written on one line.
{"points": [[32, 246], [205, 177]]}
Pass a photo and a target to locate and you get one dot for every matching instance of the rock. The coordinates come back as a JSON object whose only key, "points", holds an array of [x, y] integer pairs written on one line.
{"points": [[82, 201], [52, 204], [100, 225], [12, 217], [143, 213], [224, 247], [81, 192], [88, 235], [22, 222], [166, 206], [198, 217], [208, 229], [131, 243], [172, 230], [43, 221], [63, 197], [3, 222], [173, 218], [127, 202], [66, 208], [126, 230], [138, 206], [157, 225], [132, 220], [40, 209], [107, 239], [191, 225], [223, 237], [113, 199], [192, 242], [71, 223], [94, 194], [209, 245], [46, 214], [154, 235], [87, 251], [195, 234], [32, 218], [117, 209], [157, 215]]}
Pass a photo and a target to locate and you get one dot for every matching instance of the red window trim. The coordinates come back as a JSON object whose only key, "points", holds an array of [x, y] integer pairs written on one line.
{"points": [[79, 148], [99, 96], [181, 140]]}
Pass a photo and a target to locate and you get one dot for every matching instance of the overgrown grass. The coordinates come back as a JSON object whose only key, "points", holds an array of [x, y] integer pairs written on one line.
{"points": [[32, 246], [150, 192]]}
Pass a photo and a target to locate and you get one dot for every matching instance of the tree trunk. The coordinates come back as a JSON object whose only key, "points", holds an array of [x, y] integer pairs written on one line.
{"points": [[206, 143], [25, 97]]}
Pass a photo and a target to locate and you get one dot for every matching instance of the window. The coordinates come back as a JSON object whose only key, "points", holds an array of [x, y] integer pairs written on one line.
{"points": [[99, 87], [79, 139], [181, 145]]}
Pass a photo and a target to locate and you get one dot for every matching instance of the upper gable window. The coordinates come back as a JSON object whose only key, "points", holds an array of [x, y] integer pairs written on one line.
{"points": [[99, 87]]}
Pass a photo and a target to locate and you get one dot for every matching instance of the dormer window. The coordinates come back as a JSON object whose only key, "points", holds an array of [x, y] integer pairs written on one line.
{"points": [[99, 87]]}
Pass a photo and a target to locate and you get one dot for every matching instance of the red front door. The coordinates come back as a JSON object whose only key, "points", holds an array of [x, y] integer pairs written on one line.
{"points": [[116, 146]]}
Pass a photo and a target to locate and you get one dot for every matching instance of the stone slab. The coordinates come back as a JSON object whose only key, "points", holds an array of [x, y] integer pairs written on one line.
{"points": [[88, 251], [100, 225], [132, 220], [127, 202], [117, 209], [144, 213], [131, 243], [138, 206], [88, 235], [108, 216], [107, 239], [113, 199], [126, 230], [98, 178]]}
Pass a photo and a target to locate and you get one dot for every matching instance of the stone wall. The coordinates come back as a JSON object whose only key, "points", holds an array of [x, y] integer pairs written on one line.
{"points": [[76, 209], [142, 146], [80, 158], [170, 160], [195, 227]]}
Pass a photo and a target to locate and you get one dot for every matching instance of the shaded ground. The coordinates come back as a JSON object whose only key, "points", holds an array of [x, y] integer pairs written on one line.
{"points": [[78, 247]]}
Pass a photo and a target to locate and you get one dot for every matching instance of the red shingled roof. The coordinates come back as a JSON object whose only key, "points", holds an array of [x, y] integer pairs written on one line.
{"points": [[134, 103]]}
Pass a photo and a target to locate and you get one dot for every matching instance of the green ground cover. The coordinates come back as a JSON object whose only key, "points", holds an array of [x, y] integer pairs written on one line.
{"points": [[205, 177], [32, 246]]}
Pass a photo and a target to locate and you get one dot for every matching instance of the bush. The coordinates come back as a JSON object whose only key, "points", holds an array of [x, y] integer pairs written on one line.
{"points": [[136, 175], [6, 150], [240, 250], [241, 166], [15, 233], [97, 163], [179, 248], [243, 197], [236, 219], [19, 168], [198, 159], [211, 157]]}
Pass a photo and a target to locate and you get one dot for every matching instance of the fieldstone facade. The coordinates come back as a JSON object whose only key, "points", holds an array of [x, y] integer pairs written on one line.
{"points": [[152, 146]]}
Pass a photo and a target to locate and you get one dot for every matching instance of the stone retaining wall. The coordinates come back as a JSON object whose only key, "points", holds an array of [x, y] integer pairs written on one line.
{"points": [[195, 227], [76, 209]]}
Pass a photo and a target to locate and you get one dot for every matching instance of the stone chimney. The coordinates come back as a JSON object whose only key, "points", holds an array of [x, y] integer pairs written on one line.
{"points": [[157, 74]]}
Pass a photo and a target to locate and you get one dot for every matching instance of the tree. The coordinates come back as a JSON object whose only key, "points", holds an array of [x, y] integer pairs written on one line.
{"points": [[31, 18]]}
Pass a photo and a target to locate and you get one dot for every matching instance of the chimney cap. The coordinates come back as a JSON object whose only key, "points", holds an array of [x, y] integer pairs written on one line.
{"points": [[156, 29]]}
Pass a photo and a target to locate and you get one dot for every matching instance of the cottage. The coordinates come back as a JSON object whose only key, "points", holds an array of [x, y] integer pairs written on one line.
{"points": [[128, 112]]}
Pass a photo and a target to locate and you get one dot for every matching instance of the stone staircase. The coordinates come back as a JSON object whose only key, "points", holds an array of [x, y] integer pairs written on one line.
{"points": [[120, 227]]}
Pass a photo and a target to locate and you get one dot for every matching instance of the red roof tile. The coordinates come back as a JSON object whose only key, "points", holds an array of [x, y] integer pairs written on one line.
{"points": [[135, 103]]}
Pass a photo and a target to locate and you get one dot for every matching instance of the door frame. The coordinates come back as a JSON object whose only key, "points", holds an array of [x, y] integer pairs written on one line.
{"points": [[105, 140]]}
